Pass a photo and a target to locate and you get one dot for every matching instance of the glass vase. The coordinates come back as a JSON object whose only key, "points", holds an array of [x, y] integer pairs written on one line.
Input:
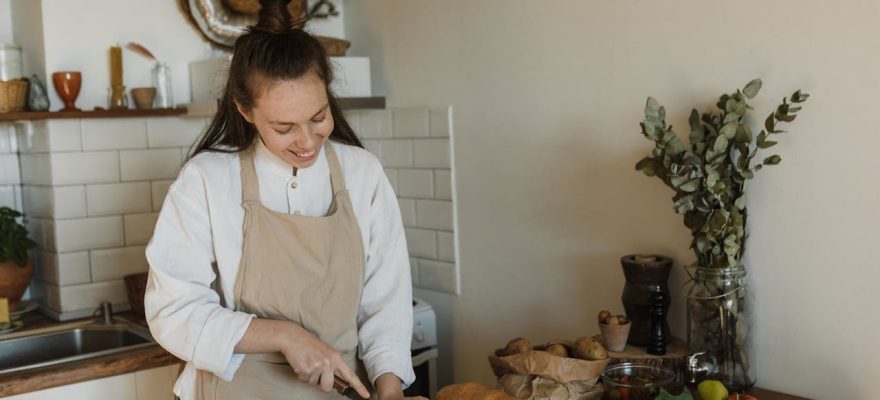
{"points": [[719, 322], [162, 83]]}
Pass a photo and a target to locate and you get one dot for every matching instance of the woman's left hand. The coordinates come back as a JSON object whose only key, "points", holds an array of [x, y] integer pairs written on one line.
{"points": [[388, 388]]}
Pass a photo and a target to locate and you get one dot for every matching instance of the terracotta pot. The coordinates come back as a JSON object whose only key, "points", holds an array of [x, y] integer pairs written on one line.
{"points": [[614, 336], [143, 97], [14, 280]]}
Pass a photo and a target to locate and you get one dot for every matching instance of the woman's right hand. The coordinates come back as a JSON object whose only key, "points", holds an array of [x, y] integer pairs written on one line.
{"points": [[316, 362]]}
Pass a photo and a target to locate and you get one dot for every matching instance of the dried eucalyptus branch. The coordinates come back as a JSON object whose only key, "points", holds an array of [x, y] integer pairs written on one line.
{"points": [[709, 178]]}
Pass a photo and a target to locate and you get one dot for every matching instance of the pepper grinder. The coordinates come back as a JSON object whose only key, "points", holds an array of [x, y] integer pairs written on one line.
{"points": [[657, 340]]}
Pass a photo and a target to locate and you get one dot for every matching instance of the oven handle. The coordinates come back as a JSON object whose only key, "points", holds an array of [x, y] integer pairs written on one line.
{"points": [[425, 356]]}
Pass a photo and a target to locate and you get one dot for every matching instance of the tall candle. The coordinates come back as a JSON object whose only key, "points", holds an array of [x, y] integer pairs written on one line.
{"points": [[115, 66]]}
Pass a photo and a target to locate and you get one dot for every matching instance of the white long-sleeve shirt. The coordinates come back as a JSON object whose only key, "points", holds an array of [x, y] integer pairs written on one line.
{"points": [[199, 235]]}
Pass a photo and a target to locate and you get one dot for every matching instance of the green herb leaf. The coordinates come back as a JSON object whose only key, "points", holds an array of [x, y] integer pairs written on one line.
{"points": [[752, 88]]}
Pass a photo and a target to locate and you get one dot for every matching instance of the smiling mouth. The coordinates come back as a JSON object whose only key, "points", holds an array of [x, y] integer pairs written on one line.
{"points": [[305, 154]]}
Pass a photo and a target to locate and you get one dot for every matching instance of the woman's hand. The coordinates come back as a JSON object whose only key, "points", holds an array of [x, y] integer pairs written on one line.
{"points": [[316, 362], [388, 388], [313, 360]]}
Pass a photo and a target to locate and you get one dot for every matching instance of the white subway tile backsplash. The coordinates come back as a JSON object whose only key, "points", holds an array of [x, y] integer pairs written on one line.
{"points": [[354, 120], [7, 197], [114, 133], [112, 264], [421, 242], [397, 153], [437, 276], [375, 124], [64, 268], [408, 211], [431, 153], [415, 183], [139, 228], [35, 169], [160, 190], [42, 232], [409, 122], [434, 214], [9, 171], [373, 146], [88, 233], [446, 246], [414, 270], [119, 198], [90, 296], [7, 132], [391, 174], [439, 125], [55, 202], [86, 167], [174, 131], [53, 135], [442, 184], [149, 164]]}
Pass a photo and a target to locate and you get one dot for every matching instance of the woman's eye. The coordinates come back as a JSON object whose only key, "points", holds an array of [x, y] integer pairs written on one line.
{"points": [[282, 132], [321, 119]]}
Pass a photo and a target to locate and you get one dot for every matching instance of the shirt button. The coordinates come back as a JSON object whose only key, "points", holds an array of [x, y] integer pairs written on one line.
{"points": [[293, 184]]}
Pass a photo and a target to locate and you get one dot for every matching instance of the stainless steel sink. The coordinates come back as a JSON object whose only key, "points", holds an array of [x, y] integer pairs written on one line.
{"points": [[68, 342]]}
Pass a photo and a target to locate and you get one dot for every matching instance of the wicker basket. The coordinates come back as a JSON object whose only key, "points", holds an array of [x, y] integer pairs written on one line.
{"points": [[252, 7], [13, 95]]}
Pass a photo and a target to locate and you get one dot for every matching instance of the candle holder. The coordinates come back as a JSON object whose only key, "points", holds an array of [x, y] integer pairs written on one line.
{"points": [[117, 100], [67, 84]]}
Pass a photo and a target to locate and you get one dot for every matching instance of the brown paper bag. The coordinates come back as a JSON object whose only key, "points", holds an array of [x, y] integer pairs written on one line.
{"points": [[540, 375], [537, 388]]}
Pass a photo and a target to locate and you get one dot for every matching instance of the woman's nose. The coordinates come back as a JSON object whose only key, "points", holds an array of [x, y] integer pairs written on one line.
{"points": [[305, 140]]}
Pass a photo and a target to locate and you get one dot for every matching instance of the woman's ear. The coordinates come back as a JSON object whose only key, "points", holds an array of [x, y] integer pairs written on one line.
{"points": [[246, 115]]}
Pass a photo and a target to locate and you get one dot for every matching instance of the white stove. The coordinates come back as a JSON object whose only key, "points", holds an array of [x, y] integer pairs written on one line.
{"points": [[424, 350]]}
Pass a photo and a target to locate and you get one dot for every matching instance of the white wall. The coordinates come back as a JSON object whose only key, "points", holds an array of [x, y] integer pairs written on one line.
{"points": [[77, 35], [548, 97]]}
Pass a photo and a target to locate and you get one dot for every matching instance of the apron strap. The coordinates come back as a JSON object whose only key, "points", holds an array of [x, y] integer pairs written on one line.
{"points": [[336, 179], [250, 189]]}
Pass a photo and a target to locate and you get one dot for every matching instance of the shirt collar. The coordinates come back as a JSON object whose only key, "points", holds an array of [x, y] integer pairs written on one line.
{"points": [[268, 160]]}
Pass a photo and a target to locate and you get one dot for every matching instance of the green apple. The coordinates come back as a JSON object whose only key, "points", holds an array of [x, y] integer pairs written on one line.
{"points": [[712, 390]]}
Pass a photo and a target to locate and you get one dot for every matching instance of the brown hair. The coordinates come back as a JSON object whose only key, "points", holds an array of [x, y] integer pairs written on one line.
{"points": [[271, 50]]}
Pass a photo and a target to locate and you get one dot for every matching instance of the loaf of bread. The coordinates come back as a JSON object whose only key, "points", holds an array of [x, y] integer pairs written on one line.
{"points": [[472, 391]]}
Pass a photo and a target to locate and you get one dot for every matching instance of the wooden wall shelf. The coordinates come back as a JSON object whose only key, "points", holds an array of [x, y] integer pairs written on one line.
{"points": [[199, 109], [32, 115]]}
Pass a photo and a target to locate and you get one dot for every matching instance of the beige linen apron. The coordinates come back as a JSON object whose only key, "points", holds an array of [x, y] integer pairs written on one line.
{"points": [[309, 270]]}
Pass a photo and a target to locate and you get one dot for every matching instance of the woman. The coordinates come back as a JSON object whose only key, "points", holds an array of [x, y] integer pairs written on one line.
{"points": [[279, 259]]}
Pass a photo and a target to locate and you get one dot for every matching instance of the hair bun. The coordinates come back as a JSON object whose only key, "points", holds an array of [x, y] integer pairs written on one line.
{"points": [[274, 17]]}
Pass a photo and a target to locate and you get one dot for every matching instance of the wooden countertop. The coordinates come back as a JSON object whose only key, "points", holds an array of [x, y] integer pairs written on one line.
{"points": [[85, 370]]}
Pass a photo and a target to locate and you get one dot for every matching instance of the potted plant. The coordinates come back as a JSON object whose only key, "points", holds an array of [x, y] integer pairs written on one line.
{"points": [[709, 179], [16, 268]]}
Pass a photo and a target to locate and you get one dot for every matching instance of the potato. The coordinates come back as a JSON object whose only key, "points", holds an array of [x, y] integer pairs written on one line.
{"points": [[603, 315], [557, 350], [612, 321], [622, 320], [588, 348], [516, 346]]}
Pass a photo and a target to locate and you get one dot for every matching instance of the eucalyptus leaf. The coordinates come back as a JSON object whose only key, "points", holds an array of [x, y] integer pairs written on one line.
{"points": [[652, 108], [766, 144], [752, 88], [772, 160], [690, 185]]}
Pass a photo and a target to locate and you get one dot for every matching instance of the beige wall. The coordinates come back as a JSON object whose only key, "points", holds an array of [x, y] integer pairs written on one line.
{"points": [[548, 96]]}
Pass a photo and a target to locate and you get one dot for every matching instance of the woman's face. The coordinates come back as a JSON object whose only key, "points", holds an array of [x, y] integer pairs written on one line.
{"points": [[293, 118]]}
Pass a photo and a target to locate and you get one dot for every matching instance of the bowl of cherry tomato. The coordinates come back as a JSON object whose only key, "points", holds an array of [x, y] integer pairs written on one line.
{"points": [[629, 381]]}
